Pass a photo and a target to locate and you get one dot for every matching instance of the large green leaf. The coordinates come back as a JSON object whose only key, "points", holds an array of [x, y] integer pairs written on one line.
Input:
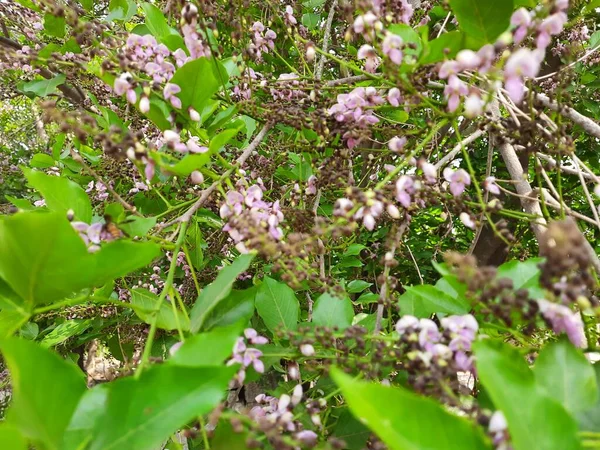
{"points": [[43, 259], [61, 194], [199, 80], [483, 20], [44, 87], [445, 46], [406, 421], [54, 25], [89, 410], [535, 420], [237, 306], [524, 275], [215, 292], [589, 420], [144, 303], [208, 349], [332, 311], [64, 331], [160, 29], [424, 300], [567, 376], [141, 413], [11, 438], [277, 305], [46, 390]]}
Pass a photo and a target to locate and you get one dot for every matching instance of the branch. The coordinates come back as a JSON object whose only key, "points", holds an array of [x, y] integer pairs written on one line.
{"points": [[352, 79], [185, 217], [457, 149], [584, 122], [326, 37]]}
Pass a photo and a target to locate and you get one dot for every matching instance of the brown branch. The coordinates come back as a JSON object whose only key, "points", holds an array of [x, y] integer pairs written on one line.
{"points": [[584, 122], [326, 37]]}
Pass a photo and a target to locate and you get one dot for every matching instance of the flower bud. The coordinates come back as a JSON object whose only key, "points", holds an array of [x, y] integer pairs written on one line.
{"points": [[144, 104], [70, 215], [310, 52], [194, 115], [307, 350], [196, 177]]}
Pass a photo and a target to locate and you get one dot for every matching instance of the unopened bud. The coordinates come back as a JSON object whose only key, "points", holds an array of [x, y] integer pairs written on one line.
{"points": [[194, 115], [310, 52], [144, 104], [70, 215], [197, 177]]}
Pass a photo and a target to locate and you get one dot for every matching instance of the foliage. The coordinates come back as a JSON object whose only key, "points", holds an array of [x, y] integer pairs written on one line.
{"points": [[320, 224]]}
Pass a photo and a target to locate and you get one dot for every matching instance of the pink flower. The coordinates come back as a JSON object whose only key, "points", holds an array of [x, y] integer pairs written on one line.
{"points": [[366, 22], [458, 180], [550, 26], [404, 190], [144, 104], [169, 93], [473, 105], [429, 171], [468, 59], [369, 214], [467, 220], [453, 91], [490, 185], [396, 144], [561, 4], [563, 320], [520, 19], [122, 83], [194, 115], [289, 15], [487, 54], [448, 68], [394, 97], [522, 63], [196, 177], [307, 350], [405, 323], [367, 53], [391, 47]]}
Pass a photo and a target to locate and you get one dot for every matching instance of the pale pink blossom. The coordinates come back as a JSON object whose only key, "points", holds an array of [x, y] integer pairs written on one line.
{"points": [[391, 47], [367, 53], [454, 90], [458, 179]]}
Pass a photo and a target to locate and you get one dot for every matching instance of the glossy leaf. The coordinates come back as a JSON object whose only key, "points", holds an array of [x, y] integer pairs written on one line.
{"points": [[144, 303], [61, 194], [199, 80], [277, 305], [11, 438], [237, 306], [406, 421], [64, 331], [332, 311], [208, 349], [42, 270], [356, 286], [54, 26], [512, 387], [567, 376], [43, 88], [424, 300], [215, 292], [483, 20], [46, 390], [141, 413], [445, 46]]}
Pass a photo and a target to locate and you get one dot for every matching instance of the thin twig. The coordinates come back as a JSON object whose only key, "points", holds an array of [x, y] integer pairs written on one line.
{"points": [[326, 37], [458, 148], [185, 217]]}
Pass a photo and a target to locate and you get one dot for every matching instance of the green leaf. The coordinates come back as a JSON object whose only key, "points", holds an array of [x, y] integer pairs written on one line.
{"points": [[11, 438], [446, 46], [141, 413], [424, 300], [524, 274], [44, 87], [41, 269], [29, 331], [137, 226], [351, 431], [450, 285], [88, 5], [277, 305], [208, 349], [215, 292], [89, 410], [511, 386], [54, 26], [144, 303], [406, 421], [199, 80], [483, 20], [356, 286], [46, 390], [219, 141], [567, 376], [409, 36], [310, 20], [237, 306], [64, 331], [368, 297], [61, 194], [41, 161], [189, 163], [589, 420], [155, 21], [330, 311], [121, 10]]}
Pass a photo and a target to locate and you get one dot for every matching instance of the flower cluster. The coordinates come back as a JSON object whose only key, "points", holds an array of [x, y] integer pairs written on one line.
{"points": [[263, 40], [92, 235], [247, 356], [99, 189], [453, 344], [562, 319], [150, 56], [245, 208]]}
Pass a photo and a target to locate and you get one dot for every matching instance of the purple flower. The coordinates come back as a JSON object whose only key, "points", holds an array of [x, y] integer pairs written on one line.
{"points": [[490, 185], [453, 91], [468, 59], [550, 26], [254, 338], [391, 47], [467, 220], [307, 350], [169, 93], [522, 63], [367, 53], [307, 438], [289, 15], [429, 334], [369, 213], [394, 97], [449, 68], [520, 19], [563, 320], [404, 190], [458, 180], [122, 83], [397, 143], [473, 105], [407, 322], [429, 171]]}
